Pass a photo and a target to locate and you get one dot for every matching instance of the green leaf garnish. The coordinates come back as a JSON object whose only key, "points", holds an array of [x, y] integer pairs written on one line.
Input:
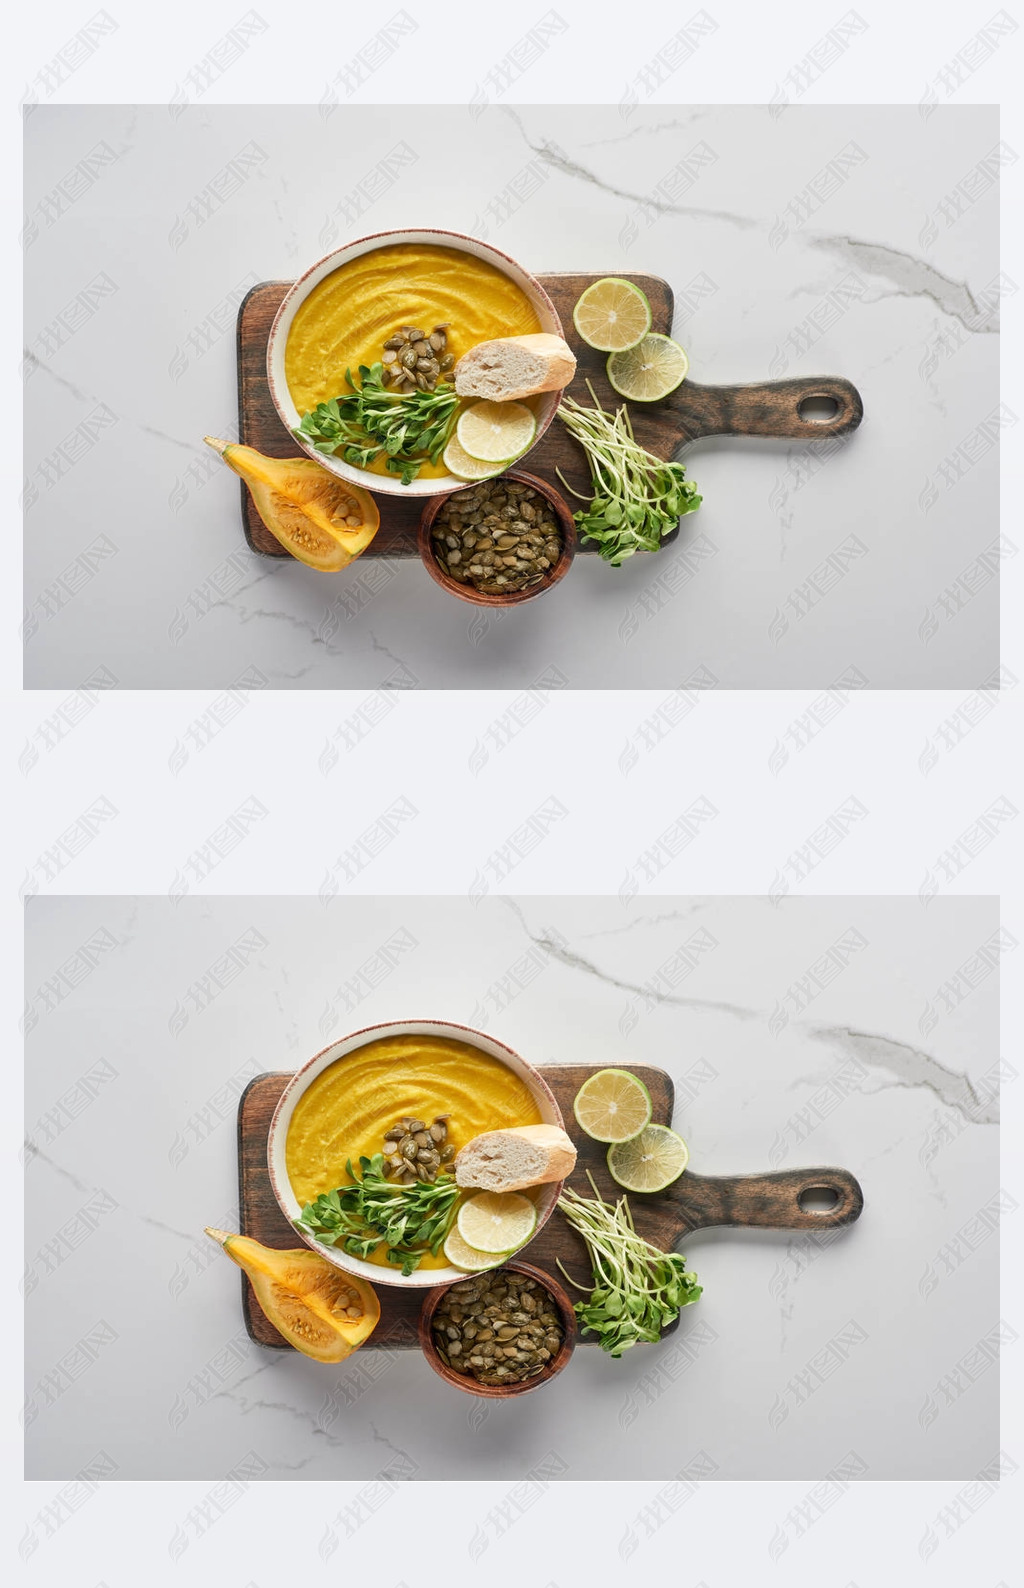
{"points": [[410, 1220], [408, 429], [638, 1289], [637, 499]]}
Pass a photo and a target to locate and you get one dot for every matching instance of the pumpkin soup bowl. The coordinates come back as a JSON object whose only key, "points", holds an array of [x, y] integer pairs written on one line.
{"points": [[544, 1197], [544, 405]]}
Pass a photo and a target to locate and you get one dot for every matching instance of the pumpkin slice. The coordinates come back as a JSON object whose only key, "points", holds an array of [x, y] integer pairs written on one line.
{"points": [[324, 1313], [321, 520]]}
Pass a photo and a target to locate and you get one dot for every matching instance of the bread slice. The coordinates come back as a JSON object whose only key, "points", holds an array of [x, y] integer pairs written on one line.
{"points": [[511, 1160], [513, 367]]}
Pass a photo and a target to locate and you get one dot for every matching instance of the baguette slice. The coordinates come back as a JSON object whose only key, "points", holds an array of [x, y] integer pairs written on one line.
{"points": [[513, 367], [511, 1160]]}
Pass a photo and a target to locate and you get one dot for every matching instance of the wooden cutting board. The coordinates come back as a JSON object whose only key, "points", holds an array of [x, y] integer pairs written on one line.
{"points": [[769, 408], [767, 1201]]}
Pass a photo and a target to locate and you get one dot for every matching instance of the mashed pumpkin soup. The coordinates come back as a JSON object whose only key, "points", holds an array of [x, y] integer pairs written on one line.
{"points": [[346, 320], [344, 1113]]}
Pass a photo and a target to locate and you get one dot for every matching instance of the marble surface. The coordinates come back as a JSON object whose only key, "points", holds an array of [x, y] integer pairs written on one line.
{"points": [[852, 241], [851, 1031]]}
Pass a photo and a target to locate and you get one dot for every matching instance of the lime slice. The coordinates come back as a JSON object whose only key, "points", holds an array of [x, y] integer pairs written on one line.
{"points": [[458, 462], [650, 1161], [613, 1106], [649, 371], [497, 1221], [461, 1255], [612, 315], [496, 432]]}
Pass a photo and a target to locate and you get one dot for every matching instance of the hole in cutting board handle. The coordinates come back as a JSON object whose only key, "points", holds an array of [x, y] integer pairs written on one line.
{"points": [[818, 1199], [818, 410]]}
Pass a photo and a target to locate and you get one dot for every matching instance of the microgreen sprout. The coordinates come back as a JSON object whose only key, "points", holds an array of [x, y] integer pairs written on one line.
{"points": [[638, 1289], [637, 499]]}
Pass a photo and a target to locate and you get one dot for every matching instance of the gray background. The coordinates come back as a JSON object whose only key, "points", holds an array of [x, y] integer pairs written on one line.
{"points": [[137, 256], [145, 1018]]}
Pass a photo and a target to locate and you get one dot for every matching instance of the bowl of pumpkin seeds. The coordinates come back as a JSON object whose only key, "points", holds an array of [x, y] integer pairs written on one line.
{"points": [[505, 1331], [500, 541]]}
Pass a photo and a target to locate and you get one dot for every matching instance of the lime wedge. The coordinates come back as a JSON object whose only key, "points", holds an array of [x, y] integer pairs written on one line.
{"points": [[461, 1255], [458, 462], [650, 370], [613, 1106], [612, 314], [497, 1221], [650, 1161], [496, 432]]}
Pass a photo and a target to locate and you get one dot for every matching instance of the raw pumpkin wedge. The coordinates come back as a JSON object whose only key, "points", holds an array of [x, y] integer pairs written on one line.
{"points": [[321, 1311], [321, 520]]}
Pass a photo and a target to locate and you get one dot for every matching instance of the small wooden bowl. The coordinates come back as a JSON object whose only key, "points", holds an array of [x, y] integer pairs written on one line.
{"points": [[465, 1381], [483, 598]]}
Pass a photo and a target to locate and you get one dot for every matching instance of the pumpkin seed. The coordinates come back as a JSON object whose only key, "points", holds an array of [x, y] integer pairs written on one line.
{"points": [[411, 1150], [482, 536], [414, 361], [477, 1328]]}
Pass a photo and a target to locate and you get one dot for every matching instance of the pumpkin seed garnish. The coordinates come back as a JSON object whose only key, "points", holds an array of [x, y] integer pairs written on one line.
{"points": [[413, 361], [412, 1152]]}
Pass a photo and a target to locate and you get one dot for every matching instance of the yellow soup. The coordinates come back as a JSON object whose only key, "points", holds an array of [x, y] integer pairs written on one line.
{"points": [[346, 320], [344, 1113]]}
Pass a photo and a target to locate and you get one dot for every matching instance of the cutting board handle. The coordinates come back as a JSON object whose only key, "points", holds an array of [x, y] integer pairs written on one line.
{"points": [[769, 408], [789, 1199]]}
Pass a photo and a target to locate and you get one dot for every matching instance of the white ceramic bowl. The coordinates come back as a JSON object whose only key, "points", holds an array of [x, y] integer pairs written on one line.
{"points": [[546, 406], [424, 1279]]}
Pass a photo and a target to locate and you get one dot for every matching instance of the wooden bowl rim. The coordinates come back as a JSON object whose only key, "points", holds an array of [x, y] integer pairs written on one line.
{"points": [[470, 1386], [484, 598]]}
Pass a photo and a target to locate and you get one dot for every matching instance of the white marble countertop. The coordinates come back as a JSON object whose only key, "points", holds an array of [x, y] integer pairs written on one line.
{"points": [[855, 1032], [852, 241]]}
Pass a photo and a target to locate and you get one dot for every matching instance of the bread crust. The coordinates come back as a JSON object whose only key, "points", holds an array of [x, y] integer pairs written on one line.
{"points": [[551, 1141], [554, 354]]}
